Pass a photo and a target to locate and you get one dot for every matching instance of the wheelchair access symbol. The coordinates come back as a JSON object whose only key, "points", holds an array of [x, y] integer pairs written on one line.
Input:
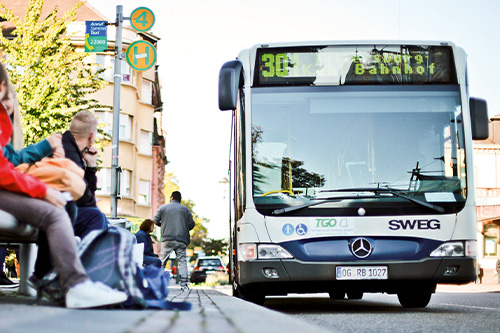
{"points": [[301, 229]]}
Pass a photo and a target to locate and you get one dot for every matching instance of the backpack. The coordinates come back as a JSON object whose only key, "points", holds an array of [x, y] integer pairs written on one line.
{"points": [[107, 256]]}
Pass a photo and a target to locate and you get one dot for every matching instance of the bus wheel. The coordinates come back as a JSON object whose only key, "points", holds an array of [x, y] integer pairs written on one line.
{"points": [[248, 295], [414, 299], [355, 295], [336, 295]]}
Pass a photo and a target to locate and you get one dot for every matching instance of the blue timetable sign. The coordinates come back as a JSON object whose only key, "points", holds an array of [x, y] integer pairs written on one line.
{"points": [[96, 36]]}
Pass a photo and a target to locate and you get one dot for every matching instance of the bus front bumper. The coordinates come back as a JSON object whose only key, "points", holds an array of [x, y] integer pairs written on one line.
{"points": [[279, 277]]}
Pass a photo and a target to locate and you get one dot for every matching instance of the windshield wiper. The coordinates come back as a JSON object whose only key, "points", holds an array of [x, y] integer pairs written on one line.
{"points": [[391, 191], [376, 191], [280, 211]]}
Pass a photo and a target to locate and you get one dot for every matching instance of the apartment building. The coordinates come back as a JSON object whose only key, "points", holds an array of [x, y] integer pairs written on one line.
{"points": [[487, 179], [142, 145]]}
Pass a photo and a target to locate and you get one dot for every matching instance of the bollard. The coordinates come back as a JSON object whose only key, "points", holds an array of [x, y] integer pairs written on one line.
{"points": [[27, 263]]}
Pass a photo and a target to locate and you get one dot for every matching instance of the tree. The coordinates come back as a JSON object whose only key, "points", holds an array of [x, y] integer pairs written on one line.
{"points": [[293, 174], [52, 80], [214, 247], [170, 184]]}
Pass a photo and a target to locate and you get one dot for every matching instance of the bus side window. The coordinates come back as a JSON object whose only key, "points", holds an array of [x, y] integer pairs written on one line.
{"points": [[240, 170]]}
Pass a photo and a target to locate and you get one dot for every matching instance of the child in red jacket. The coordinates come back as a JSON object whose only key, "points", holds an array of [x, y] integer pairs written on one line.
{"points": [[31, 201]]}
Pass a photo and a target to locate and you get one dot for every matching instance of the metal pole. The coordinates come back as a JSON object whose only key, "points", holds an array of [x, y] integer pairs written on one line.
{"points": [[116, 111]]}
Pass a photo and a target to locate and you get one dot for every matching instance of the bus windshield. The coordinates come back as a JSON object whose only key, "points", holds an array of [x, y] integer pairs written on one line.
{"points": [[310, 142]]}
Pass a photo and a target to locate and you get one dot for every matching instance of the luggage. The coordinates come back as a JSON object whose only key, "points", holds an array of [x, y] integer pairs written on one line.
{"points": [[107, 256]]}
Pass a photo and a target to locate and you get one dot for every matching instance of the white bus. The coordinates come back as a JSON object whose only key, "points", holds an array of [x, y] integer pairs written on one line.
{"points": [[352, 169]]}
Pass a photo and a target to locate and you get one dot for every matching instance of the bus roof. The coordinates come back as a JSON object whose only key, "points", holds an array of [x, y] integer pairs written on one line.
{"points": [[356, 42]]}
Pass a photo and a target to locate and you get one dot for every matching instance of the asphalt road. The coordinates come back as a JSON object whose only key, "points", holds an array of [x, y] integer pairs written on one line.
{"points": [[447, 312]]}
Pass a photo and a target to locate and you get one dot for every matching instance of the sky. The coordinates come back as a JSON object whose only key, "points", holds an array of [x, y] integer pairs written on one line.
{"points": [[198, 36]]}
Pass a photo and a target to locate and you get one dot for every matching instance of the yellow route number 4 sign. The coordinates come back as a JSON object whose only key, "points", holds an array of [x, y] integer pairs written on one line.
{"points": [[141, 55], [142, 19]]}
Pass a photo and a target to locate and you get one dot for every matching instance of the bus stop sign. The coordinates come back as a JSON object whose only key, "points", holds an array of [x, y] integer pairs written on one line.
{"points": [[141, 55], [142, 19]]}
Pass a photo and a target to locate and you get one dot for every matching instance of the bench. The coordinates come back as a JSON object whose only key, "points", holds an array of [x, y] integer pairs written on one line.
{"points": [[13, 232]]}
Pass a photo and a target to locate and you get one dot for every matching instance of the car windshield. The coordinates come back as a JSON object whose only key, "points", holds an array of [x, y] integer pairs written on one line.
{"points": [[209, 262], [307, 143]]}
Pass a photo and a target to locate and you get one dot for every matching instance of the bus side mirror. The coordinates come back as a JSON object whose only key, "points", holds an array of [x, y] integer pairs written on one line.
{"points": [[479, 118], [229, 83]]}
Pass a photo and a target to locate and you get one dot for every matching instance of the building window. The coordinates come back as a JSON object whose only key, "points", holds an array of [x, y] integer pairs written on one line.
{"points": [[107, 62], [144, 197], [106, 120], [490, 240], [147, 91], [146, 143], [104, 182], [125, 127], [125, 183]]}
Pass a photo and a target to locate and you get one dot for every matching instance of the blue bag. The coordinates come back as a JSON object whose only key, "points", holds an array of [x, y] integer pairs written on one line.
{"points": [[107, 257], [153, 283]]}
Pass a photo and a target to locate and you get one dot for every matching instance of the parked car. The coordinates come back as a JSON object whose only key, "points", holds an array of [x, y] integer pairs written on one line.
{"points": [[206, 266]]}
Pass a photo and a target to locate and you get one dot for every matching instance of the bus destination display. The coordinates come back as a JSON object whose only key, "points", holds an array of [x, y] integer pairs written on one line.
{"points": [[355, 65]]}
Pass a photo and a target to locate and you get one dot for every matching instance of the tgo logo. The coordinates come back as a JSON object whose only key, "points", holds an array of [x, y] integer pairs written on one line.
{"points": [[325, 223], [423, 224], [331, 223]]}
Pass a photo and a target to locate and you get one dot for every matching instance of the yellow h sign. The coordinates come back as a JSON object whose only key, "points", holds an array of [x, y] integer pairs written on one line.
{"points": [[141, 55]]}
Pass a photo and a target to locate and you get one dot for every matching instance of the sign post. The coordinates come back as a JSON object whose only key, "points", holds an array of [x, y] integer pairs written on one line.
{"points": [[142, 57], [115, 169]]}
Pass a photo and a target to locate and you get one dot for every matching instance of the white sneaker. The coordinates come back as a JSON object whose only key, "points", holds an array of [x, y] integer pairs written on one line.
{"points": [[90, 294]]}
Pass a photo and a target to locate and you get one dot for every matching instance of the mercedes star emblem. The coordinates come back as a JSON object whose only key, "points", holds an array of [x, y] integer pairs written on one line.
{"points": [[361, 247]]}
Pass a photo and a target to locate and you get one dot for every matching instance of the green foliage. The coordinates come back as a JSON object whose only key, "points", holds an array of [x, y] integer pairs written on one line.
{"points": [[214, 247], [217, 279], [52, 80], [11, 258], [199, 233]]}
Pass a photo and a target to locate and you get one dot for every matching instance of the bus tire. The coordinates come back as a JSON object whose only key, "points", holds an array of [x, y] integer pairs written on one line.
{"points": [[248, 295], [414, 299], [336, 295], [354, 295]]}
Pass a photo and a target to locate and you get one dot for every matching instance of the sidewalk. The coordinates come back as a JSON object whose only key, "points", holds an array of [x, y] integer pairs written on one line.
{"points": [[212, 311], [469, 288]]}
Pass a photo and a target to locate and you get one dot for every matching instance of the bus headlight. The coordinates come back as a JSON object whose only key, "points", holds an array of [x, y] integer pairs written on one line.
{"points": [[247, 252], [262, 252], [456, 249], [272, 251]]}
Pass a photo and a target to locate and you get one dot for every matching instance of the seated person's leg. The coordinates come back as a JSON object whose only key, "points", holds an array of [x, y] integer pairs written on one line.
{"points": [[153, 261], [80, 291], [72, 211], [43, 263], [89, 219]]}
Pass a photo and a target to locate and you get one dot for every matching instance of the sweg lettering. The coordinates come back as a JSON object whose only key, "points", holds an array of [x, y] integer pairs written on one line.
{"points": [[326, 223], [432, 224]]}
